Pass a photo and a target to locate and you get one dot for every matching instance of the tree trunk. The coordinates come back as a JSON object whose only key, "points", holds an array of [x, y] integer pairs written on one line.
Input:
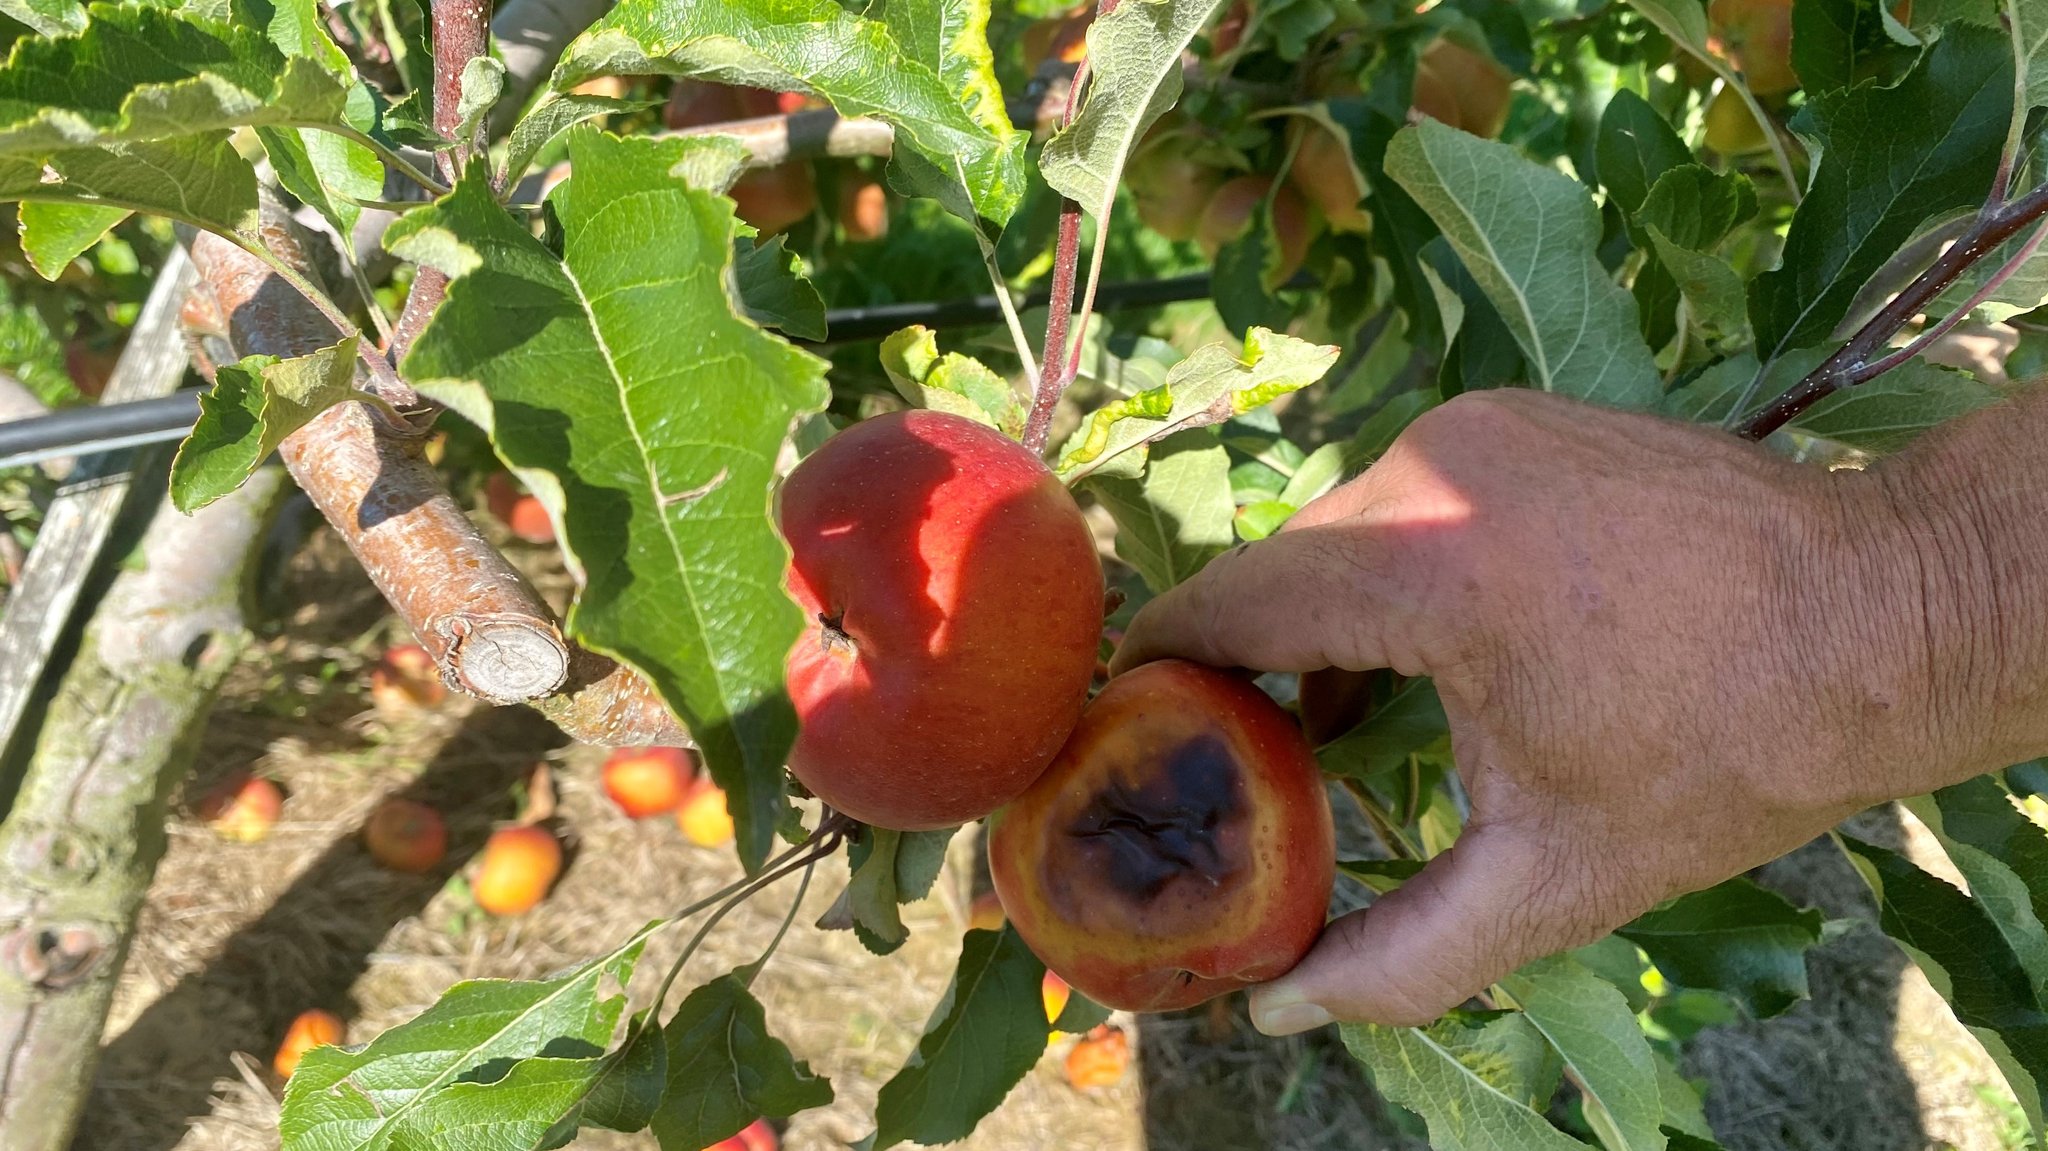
{"points": [[80, 845]]}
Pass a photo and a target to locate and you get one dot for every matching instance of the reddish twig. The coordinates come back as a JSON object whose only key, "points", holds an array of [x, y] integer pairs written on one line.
{"points": [[1858, 361], [461, 34]]}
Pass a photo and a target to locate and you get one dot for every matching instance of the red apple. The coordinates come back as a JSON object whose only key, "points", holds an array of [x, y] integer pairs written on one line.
{"points": [[863, 208], [314, 1028], [242, 807], [1756, 36], [772, 199], [755, 1136], [523, 514], [1229, 213], [405, 680], [954, 599], [646, 781], [517, 867], [701, 103], [404, 835], [1178, 848]]}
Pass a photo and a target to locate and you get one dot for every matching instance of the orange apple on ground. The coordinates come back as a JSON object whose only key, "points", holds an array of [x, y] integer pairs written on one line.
{"points": [[1178, 848], [314, 1028], [405, 680], [520, 512], [1323, 171], [1462, 88], [242, 807], [1229, 213], [863, 207], [703, 816], [646, 781], [755, 1136], [986, 913], [517, 868], [1099, 1059], [953, 599], [405, 835], [772, 199]]}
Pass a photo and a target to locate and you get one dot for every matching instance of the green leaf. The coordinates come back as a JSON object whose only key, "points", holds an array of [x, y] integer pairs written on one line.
{"points": [[1383, 427], [1256, 521], [985, 1034], [200, 179], [888, 868], [1696, 207], [253, 405], [1471, 1085], [1134, 55], [2002, 855], [2030, 39], [1635, 147], [142, 73], [654, 441], [628, 1093], [775, 292], [1734, 937], [1410, 720], [1591, 1026], [1965, 956], [1892, 410], [53, 233], [388, 1093], [1380, 875], [818, 47], [1247, 272], [725, 1070], [1835, 43], [47, 17], [1080, 1015], [1713, 289], [950, 37], [1176, 519], [2022, 291], [541, 1096], [325, 171], [556, 113], [1890, 159], [1215, 383], [961, 385], [1528, 235], [1316, 476]]}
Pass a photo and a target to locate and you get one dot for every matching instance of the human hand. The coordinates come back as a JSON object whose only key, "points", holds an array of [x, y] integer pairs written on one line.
{"points": [[1666, 656]]}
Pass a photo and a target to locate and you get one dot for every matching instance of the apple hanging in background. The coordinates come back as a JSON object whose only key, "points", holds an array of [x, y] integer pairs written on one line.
{"points": [[520, 511]]}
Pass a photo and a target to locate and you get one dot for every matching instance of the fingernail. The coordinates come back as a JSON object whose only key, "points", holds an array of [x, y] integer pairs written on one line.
{"points": [[1285, 1013]]}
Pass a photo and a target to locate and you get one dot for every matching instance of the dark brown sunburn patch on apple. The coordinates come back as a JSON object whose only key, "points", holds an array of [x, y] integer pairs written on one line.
{"points": [[1176, 822]]}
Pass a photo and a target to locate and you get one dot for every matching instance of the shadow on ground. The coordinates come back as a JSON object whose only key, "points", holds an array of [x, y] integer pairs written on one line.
{"points": [[306, 950]]}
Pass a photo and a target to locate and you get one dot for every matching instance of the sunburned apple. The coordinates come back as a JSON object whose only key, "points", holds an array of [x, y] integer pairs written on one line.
{"points": [[953, 600], [1179, 847]]}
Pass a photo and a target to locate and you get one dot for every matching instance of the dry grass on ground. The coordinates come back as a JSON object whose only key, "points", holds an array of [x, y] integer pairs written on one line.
{"points": [[236, 939]]}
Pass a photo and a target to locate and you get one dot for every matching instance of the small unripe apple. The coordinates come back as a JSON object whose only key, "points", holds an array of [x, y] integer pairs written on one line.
{"points": [[1323, 171], [1731, 129], [1462, 88], [314, 1028], [953, 600], [242, 807], [986, 913], [646, 781], [1179, 847], [1099, 1059], [1229, 213], [521, 513], [704, 817], [405, 679], [755, 1136], [772, 199], [517, 868], [405, 835], [863, 208]]}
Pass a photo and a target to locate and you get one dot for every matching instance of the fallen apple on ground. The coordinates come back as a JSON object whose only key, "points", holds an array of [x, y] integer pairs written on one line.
{"points": [[1179, 847], [314, 1028], [405, 835], [1099, 1059], [242, 807], [703, 816], [755, 1136], [646, 781], [953, 601], [517, 868], [405, 680]]}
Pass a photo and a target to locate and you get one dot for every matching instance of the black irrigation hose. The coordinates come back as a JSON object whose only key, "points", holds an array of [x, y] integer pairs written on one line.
{"points": [[86, 430]]}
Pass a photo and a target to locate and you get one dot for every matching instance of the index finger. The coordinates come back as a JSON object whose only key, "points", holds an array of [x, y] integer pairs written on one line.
{"points": [[1297, 601]]}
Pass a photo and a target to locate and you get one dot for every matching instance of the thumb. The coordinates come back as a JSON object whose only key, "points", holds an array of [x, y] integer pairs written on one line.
{"points": [[1477, 912]]}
